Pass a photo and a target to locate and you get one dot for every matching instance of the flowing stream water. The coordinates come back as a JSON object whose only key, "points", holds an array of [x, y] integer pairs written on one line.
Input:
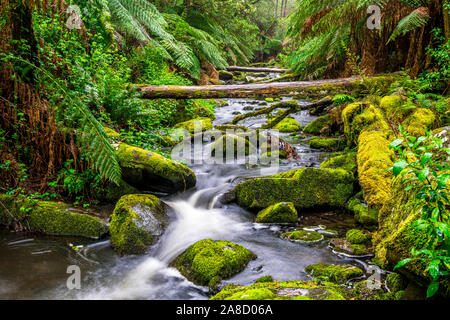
{"points": [[35, 267]]}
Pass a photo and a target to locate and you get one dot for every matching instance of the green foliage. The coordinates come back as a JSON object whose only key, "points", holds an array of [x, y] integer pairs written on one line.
{"points": [[424, 163], [416, 19]]}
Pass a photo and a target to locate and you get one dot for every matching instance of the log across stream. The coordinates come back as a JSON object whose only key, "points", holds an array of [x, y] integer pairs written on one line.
{"points": [[240, 91]]}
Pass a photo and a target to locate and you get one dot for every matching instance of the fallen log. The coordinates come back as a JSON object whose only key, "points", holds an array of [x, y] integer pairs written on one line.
{"points": [[256, 69], [283, 104], [238, 91]]}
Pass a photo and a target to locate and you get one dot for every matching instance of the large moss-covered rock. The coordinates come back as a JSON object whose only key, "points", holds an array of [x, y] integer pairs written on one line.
{"points": [[364, 215], [51, 218], [346, 161], [137, 222], [113, 192], [207, 262], [316, 126], [287, 125], [374, 160], [149, 171], [334, 273], [306, 188], [283, 290], [199, 124], [283, 212]]}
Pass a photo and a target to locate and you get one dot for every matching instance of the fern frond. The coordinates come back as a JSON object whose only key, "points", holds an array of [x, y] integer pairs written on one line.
{"points": [[416, 19]]}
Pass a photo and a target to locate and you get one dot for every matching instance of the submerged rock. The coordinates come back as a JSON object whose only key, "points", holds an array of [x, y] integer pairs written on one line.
{"points": [[334, 273], [306, 188], [303, 236], [51, 218], [283, 212], [207, 262], [283, 290], [149, 171], [137, 222]]}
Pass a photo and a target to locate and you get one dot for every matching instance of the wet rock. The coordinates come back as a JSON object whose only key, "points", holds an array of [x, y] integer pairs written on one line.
{"points": [[207, 262], [283, 212], [316, 126], [137, 222], [283, 290], [334, 144], [346, 247], [339, 274], [49, 217], [288, 125], [240, 145], [149, 171], [306, 188], [396, 282], [303, 236]]}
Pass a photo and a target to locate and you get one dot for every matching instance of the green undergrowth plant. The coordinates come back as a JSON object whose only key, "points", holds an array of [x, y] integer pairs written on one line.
{"points": [[423, 164]]}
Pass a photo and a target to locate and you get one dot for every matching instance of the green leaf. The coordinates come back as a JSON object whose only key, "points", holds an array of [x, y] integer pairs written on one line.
{"points": [[398, 167], [425, 158], [396, 143], [433, 268], [432, 289], [402, 263]]}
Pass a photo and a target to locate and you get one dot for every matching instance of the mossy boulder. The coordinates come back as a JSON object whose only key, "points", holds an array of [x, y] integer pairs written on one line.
{"points": [[51, 218], [365, 290], [346, 247], [364, 215], [273, 155], [207, 262], [137, 222], [419, 122], [283, 290], [306, 188], [288, 124], [149, 171], [346, 161], [239, 146], [356, 236], [199, 124], [392, 107], [113, 192], [339, 274], [267, 278], [316, 126], [283, 212], [374, 159], [334, 144], [303, 236]]}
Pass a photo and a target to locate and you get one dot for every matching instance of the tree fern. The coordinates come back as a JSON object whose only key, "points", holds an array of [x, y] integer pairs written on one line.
{"points": [[94, 141], [416, 19]]}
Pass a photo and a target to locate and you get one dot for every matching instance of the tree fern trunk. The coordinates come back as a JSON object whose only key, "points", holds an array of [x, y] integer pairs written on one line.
{"points": [[446, 14]]}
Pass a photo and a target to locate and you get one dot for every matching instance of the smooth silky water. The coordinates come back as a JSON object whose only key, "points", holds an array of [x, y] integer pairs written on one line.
{"points": [[33, 267]]}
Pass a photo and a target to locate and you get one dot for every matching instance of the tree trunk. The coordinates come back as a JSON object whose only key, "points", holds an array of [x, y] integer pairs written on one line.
{"points": [[446, 14], [242, 91]]}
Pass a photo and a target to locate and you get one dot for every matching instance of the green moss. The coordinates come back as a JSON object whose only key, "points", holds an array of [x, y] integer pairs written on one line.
{"points": [[267, 156], [137, 221], [111, 133], [283, 212], [356, 236], [302, 236], [149, 171], [51, 218], [346, 161], [392, 107], [306, 188], [327, 143], [419, 121], [363, 290], [317, 125], [269, 99], [359, 116], [267, 278], [236, 142], [333, 273], [283, 290], [112, 192], [208, 261], [364, 215], [287, 125], [199, 124], [395, 282], [344, 246], [374, 159]]}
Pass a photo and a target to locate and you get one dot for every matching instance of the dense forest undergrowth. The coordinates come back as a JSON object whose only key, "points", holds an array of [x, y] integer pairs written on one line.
{"points": [[75, 131]]}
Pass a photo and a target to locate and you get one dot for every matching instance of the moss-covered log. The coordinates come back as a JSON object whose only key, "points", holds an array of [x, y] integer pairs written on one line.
{"points": [[255, 69], [246, 90]]}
